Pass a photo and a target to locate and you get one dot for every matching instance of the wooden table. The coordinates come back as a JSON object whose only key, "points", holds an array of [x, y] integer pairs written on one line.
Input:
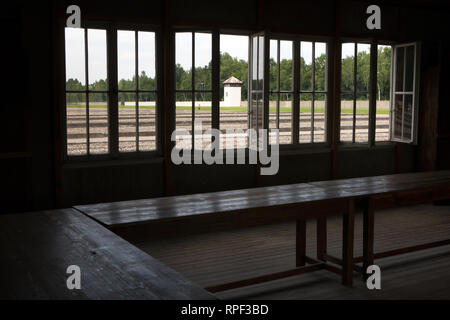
{"points": [[382, 192], [237, 208], [37, 247], [295, 202]]}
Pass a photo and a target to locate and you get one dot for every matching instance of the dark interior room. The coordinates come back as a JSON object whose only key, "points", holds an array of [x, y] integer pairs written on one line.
{"points": [[217, 150]]}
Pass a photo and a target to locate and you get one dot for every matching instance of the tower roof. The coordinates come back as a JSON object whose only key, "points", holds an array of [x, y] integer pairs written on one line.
{"points": [[232, 80]]}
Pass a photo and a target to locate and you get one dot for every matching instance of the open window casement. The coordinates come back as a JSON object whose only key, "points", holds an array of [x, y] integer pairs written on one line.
{"points": [[258, 83], [405, 93]]}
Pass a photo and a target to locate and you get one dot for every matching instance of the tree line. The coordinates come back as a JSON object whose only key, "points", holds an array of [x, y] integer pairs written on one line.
{"points": [[230, 66]]}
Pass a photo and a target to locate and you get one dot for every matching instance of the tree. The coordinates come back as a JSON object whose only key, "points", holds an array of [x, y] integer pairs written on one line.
{"points": [[383, 72], [230, 66]]}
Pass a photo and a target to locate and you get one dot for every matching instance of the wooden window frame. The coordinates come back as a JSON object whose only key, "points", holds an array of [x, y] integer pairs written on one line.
{"points": [[113, 93]]}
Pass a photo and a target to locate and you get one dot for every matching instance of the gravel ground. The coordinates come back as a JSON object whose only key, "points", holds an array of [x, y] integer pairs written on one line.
{"points": [[98, 129]]}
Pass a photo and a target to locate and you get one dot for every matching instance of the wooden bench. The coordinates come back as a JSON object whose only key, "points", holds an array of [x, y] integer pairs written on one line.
{"points": [[238, 208], [37, 247], [277, 204]]}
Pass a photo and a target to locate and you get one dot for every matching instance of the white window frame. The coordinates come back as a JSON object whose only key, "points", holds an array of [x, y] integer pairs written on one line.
{"points": [[414, 93]]}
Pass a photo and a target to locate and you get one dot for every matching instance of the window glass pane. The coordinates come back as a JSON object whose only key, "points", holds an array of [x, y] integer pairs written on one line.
{"points": [[363, 68], [400, 55], [259, 101], [254, 63], [273, 65], [408, 117], [254, 109], [127, 122], [306, 66], [398, 116], [347, 67], [183, 60], [97, 60], [203, 69], [320, 66], [305, 118], [147, 121], [76, 124], [286, 76], [202, 113], [98, 123], [383, 93], [183, 120], [319, 118], [75, 59], [346, 117], [273, 117], [273, 113], [146, 60], [126, 63], [362, 119], [409, 72], [260, 64], [233, 104], [285, 118]]}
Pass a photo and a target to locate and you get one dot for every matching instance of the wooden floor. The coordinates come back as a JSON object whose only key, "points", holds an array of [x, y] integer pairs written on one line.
{"points": [[215, 258]]}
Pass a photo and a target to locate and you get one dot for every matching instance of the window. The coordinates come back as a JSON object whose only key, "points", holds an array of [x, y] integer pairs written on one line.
{"points": [[383, 92], [355, 75], [313, 92], [281, 89], [91, 115], [234, 86], [247, 97], [86, 92], [404, 98], [137, 90], [193, 71], [303, 88], [386, 110]]}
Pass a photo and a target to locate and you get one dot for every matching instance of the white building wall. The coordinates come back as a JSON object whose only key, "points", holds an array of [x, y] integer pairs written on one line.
{"points": [[232, 96]]}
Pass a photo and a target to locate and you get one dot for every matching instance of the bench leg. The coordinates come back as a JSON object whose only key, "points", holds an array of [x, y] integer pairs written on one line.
{"points": [[300, 254], [347, 244], [321, 238], [368, 236]]}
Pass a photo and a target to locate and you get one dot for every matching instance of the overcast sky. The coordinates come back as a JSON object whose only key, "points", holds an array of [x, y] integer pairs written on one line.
{"points": [[236, 46]]}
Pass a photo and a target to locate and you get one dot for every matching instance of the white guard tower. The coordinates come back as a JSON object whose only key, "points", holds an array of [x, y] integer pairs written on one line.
{"points": [[232, 92]]}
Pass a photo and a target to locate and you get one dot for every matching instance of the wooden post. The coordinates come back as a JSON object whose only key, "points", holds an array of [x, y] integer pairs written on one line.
{"points": [[368, 235], [347, 244], [301, 243], [321, 238]]}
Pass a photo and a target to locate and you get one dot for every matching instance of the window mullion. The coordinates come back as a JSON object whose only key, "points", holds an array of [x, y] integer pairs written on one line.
{"points": [[113, 91], [355, 66], [277, 125], [86, 71], [193, 90], [403, 95], [329, 87], [393, 79], [215, 79], [295, 90], [136, 60], [372, 91], [313, 74]]}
